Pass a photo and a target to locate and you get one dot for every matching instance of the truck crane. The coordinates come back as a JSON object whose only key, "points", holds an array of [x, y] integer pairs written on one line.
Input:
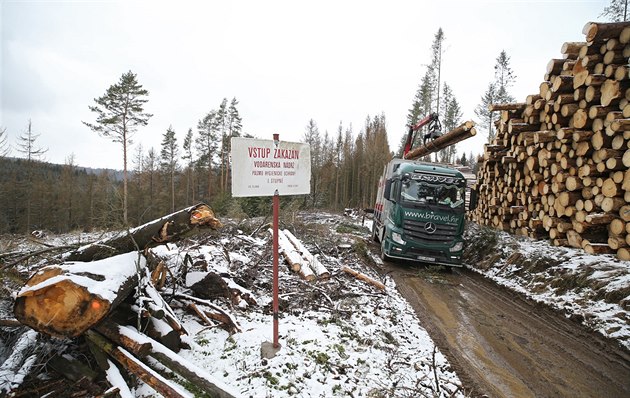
{"points": [[434, 131]]}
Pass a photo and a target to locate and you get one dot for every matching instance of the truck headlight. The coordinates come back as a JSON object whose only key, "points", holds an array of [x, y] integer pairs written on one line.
{"points": [[396, 237], [457, 247]]}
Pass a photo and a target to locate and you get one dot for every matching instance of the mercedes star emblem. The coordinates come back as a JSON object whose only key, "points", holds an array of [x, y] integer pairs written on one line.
{"points": [[430, 227]]}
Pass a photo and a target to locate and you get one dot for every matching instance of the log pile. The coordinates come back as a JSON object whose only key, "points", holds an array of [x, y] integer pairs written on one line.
{"points": [[108, 290], [559, 167], [299, 257]]}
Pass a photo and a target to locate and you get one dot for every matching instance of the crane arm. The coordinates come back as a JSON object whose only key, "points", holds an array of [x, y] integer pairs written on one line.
{"points": [[412, 129]]}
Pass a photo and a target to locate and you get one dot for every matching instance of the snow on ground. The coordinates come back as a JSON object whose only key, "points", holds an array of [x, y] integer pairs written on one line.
{"points": [[593, 289], [344, 337], [351, 341], [339, 336]]}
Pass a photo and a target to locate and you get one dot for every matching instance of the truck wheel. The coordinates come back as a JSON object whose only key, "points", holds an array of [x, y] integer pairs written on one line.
{"points": [[374, 232], [384, 256]]}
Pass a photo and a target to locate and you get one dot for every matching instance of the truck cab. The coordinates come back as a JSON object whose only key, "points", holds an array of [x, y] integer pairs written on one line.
{"points": [[420, 213]]}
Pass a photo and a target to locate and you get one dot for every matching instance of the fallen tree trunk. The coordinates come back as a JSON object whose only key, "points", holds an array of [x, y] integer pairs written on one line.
{"points": [[169, 228], [363, 277], [135, 366], [65, 300], [312, 261], [175, 362]]}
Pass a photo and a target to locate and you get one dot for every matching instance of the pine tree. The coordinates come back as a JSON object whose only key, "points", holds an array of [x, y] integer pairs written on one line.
{"points": [[150, 168], [119, 114], [617, 11], [234, 129], [168, 160]]}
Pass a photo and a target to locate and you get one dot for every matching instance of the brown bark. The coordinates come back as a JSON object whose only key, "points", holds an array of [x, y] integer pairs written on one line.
{"points": [[598, 31], [133, 365], [363, 277], [169, 228], [65, 300], [464, 131]]}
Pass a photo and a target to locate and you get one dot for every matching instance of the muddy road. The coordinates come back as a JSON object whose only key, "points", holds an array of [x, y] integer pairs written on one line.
{"points": [[502, 345]]}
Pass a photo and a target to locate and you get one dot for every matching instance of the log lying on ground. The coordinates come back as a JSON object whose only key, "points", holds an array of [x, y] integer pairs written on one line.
{"points": [[312, 261], [363, 277], [464, 131], [65, 300], [176, 363], [169, 228], [135, 366], [293, 257]]}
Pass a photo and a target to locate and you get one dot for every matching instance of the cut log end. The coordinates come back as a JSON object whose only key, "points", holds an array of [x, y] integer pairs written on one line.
{"points": [[62, 310]]}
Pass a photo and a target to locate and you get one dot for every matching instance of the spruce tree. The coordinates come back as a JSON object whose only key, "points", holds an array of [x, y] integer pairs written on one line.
{"points": [[313, 138], [484, 113], [496, 93], [188, 158], [207, 146], [168, 160], [504, 78], [119, 113]]}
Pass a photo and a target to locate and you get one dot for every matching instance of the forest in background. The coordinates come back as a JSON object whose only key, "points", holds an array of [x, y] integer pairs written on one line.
{"points": [[345, 165]]}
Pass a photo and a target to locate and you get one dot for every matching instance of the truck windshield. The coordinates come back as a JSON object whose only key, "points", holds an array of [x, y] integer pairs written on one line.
{"points": [[422, 192]]}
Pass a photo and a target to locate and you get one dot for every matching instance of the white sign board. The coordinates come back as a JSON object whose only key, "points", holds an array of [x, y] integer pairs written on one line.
{"points": [[260, 167]]}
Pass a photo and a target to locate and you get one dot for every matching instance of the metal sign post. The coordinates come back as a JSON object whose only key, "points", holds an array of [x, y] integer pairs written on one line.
{"points": [[271, 168], [276, 271]]}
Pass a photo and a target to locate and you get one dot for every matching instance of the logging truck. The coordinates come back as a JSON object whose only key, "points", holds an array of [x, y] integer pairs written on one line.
{"points": [[419, 212], [420, 207]]}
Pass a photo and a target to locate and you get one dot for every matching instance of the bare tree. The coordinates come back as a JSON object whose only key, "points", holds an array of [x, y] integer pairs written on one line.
{"points": [[5, 148], [617, 11], [27, 146], [119, 113]]}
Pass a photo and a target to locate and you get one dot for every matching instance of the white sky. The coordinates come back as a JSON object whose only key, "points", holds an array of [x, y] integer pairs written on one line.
{"points": [[285, 61]]}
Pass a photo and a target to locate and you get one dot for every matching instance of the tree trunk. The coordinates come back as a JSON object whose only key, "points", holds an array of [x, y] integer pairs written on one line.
{"points": [[65, 300], [464, 131], [166, 229], [133, 365]]}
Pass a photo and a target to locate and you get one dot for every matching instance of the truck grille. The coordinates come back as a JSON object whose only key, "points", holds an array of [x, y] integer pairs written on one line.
{"points": [[416, 230]]}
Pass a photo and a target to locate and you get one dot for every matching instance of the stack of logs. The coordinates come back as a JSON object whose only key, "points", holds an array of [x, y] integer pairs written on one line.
{"points": [[559, 167]]}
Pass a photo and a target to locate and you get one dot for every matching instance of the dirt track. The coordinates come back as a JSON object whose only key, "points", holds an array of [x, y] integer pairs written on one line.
{"points": [[504, 346]]}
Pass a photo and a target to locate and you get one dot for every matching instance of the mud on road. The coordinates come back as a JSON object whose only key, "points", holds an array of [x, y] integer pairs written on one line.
{"points": [[502, 345]]}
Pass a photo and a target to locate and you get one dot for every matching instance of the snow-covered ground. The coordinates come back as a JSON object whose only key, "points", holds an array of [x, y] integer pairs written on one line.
{"points": [[339, 336], [343, 338], [593, 289]]}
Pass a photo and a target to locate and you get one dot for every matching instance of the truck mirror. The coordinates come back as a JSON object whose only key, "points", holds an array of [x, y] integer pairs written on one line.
{"points": [[474, 196], [388, 189]]}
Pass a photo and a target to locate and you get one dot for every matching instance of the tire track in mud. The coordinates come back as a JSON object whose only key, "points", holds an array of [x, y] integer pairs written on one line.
{"points": [[502, 345]]}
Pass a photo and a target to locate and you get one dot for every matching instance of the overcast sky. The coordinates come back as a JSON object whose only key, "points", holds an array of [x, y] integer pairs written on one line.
{"points": [[285, 61]]}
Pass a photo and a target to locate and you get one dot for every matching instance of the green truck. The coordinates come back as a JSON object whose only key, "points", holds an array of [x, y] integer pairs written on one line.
{"points": [[420, 212]]}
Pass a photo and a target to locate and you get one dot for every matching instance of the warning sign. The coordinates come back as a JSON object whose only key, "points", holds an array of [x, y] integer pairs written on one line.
{"points": [[260, 167]]}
